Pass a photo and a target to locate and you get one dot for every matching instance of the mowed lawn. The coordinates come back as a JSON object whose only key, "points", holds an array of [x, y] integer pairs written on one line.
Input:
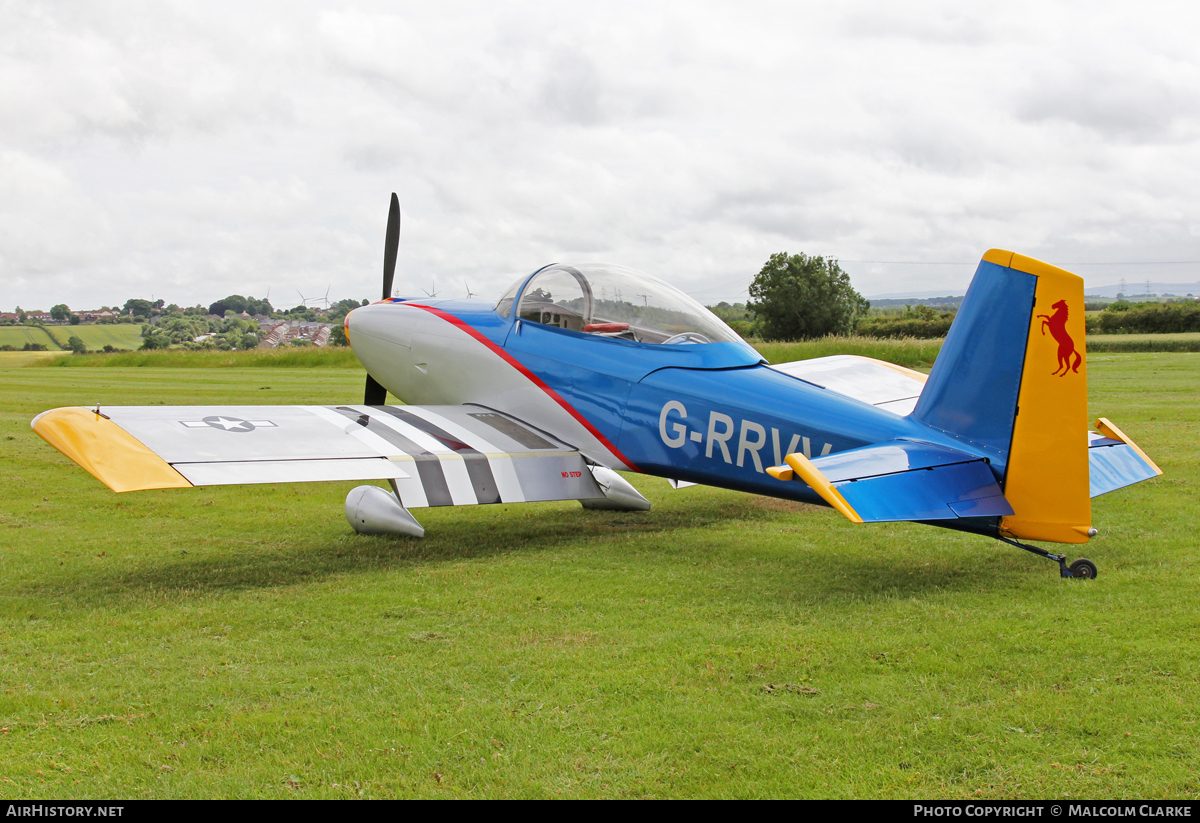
{"points": [[244, 642]]}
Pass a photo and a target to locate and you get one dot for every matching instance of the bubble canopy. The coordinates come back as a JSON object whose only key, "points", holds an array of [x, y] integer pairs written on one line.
{"points": [[616, 302]]}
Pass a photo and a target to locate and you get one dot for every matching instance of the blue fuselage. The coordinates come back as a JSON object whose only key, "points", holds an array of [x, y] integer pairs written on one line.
{"points": [[711, 413]]}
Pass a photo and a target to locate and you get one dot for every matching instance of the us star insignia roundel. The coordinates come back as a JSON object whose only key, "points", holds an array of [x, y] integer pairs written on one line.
{"points": [[230, 424]]}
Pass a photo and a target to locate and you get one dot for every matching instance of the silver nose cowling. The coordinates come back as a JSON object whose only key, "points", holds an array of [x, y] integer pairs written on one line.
{"points": [[381, 336]]}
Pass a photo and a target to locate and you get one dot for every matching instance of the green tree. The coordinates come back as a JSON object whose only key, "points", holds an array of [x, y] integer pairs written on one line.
{"points": [[60, 312], [796, 297], [76, 345], [233, 303], [138, 308], [156, 340]]}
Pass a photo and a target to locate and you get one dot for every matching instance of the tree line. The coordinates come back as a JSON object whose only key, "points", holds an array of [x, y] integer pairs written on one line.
{"points": [[164, 326], [797, 297], [138, 311], [1124, 317]]}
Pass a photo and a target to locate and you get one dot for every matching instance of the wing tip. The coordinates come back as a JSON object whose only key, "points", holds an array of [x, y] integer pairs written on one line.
{"points": [[811, 475], [1109, 429], [105, 450]]}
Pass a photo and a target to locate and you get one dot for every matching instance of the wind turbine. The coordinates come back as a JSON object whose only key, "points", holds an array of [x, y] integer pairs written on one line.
{"points": [[304, 300]]}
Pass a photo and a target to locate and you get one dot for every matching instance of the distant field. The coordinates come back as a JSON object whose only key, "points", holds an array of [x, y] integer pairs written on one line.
{"points": [[18, 336], [245, 642], [119, 336], [97, 336], [304, 357]]}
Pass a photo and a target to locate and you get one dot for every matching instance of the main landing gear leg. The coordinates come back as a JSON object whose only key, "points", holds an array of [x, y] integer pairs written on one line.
{"points": [[1081, 568]]}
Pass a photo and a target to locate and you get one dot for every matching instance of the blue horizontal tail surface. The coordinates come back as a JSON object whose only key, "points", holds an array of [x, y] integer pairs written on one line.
{"points": [[1112, 467]]}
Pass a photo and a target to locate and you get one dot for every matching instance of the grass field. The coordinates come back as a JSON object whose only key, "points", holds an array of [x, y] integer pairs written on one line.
{"points": [[330, 357], [96, 335], [244, 642], [14, 359], [54, 338], [18, 336]]}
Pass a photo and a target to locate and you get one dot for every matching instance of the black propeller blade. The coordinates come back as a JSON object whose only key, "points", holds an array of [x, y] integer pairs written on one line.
{"points": [[376, 395], [391, 246]]}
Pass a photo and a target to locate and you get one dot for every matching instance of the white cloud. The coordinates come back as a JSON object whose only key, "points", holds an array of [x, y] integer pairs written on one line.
{"points": [[194, 151]]}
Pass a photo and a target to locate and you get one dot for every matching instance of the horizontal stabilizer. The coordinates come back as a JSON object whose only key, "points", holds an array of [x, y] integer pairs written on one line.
{"points": [[900, 480], [434, 455], [1115, 461]]}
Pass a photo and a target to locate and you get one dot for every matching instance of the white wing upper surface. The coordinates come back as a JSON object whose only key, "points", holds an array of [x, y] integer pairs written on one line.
{"points": [[436, 455], [883, 385]]}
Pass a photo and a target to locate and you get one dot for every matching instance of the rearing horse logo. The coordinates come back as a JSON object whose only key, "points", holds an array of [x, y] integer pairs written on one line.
{"points": [[1057, 323]]}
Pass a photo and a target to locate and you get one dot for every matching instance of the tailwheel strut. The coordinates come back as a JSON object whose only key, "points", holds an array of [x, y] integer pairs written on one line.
{"points": [[1082, 568]]}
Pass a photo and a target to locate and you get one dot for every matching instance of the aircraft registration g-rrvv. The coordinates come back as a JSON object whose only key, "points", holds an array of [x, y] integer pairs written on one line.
{"points": [[580, 371]]}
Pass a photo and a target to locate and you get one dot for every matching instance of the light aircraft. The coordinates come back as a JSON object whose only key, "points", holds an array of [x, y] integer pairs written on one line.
{"points": [[581, 371]]}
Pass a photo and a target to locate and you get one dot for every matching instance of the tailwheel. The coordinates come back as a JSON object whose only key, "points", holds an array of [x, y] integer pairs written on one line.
{"points": [[1083, 569]]}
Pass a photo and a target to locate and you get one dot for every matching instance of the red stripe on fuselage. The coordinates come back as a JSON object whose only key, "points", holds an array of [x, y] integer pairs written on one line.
{"points": [[537, 381]]}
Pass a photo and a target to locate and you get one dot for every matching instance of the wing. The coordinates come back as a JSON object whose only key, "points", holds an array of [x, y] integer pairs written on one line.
{"points": [[435, 455], [883, 385], [900, 480]]}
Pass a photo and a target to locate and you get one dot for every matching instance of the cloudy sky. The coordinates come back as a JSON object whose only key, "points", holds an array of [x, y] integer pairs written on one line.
{"points": [[193, 150]]}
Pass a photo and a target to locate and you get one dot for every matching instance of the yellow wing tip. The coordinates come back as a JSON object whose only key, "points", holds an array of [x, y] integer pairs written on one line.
{"points": [[109, 453], [1110, 430], [811, 475]]}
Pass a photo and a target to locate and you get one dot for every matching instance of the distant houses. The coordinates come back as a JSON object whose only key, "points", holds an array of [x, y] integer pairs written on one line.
{"points": [[273, 332], [284, 332], [38, 316]]}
